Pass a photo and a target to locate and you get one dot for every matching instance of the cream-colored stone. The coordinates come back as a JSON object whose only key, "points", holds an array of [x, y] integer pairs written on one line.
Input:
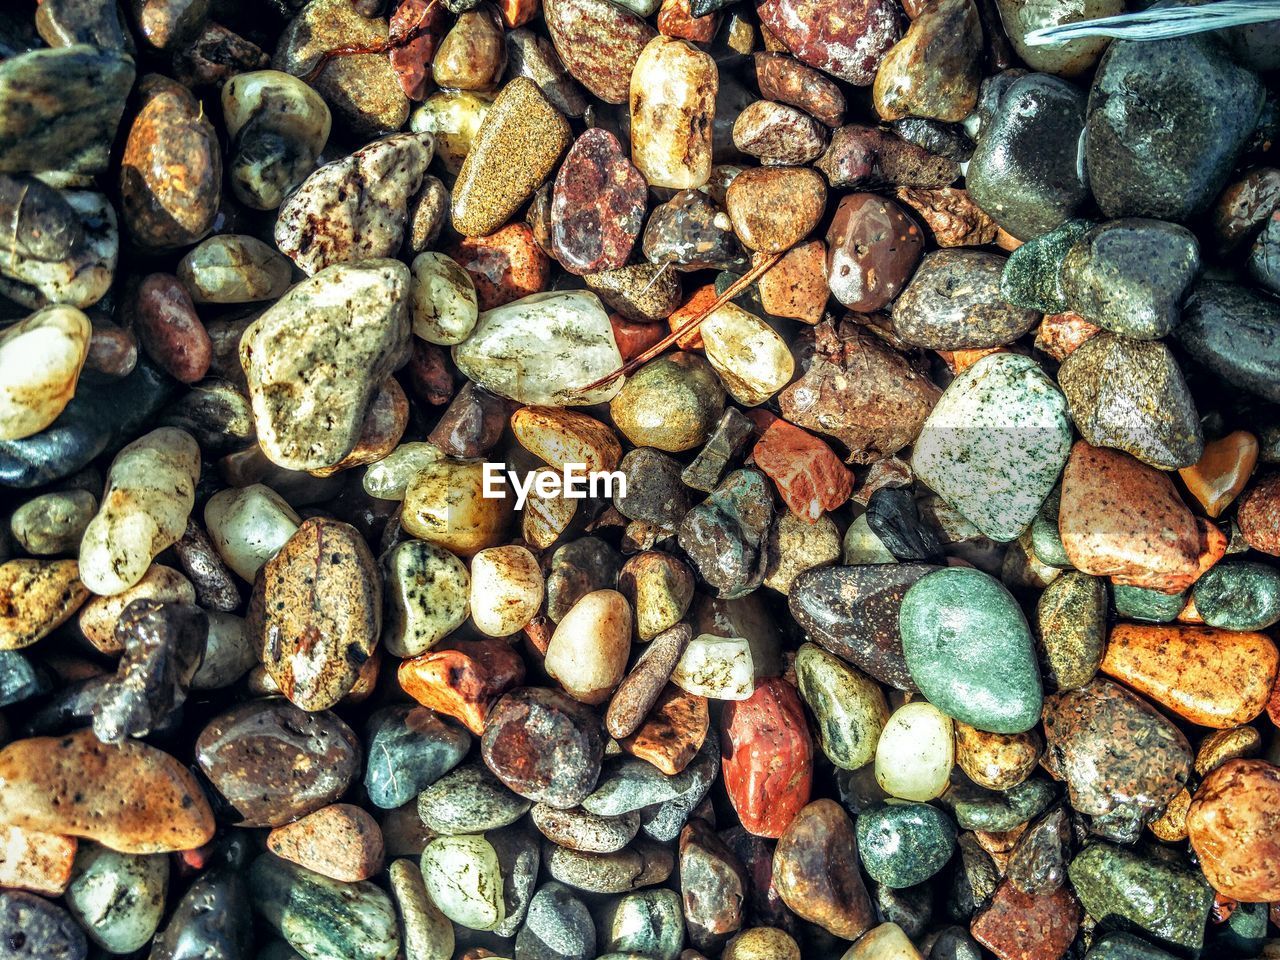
{"points": [[40, 362]]}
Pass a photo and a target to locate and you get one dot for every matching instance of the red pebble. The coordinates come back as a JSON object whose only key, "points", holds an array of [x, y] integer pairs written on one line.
{"points": [[807, 472], [634, 338], [1020, 926], [505, 266], [766, 755], [166, 324], [412, 61]]}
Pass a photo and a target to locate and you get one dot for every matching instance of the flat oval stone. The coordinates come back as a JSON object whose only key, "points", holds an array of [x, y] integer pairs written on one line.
{"points": [[649, 923], [1238, 596], [1156, 148], [767, 757], [1130, 394], [444, 504], [1025, 171], [1122, 761], [1214, 678], [848, 43], [36, 929], [558, 927], [42, 357], [599, 43], [544, 746], [598, 205], [954, 303], [589, 832], [969, 650], [323, 918], [130, 797], [916, 752], [234, 268], [469, 799], [995, 443], [902, 844], [642, 864], [777, 133], [1234, 333], [1233, 828], [849, 707], [872, 248], [713, 886], [588, 651], [314, 651], [853, 612], [516, 148], [543, 349], [118, 897], [787, 80], [997, 761], [751, 358], [273, 763], [409, 748], [815, 868], [1068, 59], [38, 596]]}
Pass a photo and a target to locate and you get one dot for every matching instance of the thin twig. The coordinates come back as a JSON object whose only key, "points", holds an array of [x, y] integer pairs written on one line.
{"points": [[735, 288], [383, 46]]}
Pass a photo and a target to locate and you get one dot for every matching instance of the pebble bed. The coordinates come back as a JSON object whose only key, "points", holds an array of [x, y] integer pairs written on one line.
{"points": [[938, 615]]}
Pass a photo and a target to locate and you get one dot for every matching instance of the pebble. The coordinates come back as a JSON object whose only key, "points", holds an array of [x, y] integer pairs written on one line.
{"points": [[213, 916], [654, 492], [1025, 171], [817, 873], [165, 322], [37, 929], [517, 146], [762, 943], [1160, 149], [588, 652], [542, 349], [36, 861], [544, 746], [578, 568], [849, 708], [725, 535], [1016, 924], [234, 268], [774, 208], [453, 118], [767, 757], [672, 733], [903, 844], [795, 545], [248, 526], [426, 931], [649, 923], [558, 927], [776, 133], [130, 797], [787, 80], [362, 91], [916, 752], [872, 248], [796, 286], [171, 168], [118, 898], [1071, 618], [1242, 595], [713, 885], [659, 587], [469, 799], [533, 56], [1222, 471], [1233, 829], [1121, 760], [1163, 899], [1233, 332], [1214, 678], [409, 749], [862, 157], [672, 99], [691, 232], [42, 358], [954, 302], [1070, 59], [952, 217], [472, 55], [997, 761], [671, 403], [751, 359], [38, 597], [1033, 275], [1122, 518], [278, 127], [588, 832], [324, 919], [462, 678], [935, 69], [1259, 516], [1130, 395], [148, 499], [360, 339], [444, 504], [314, 652], [271, 762], [848, 46], [507, 589], [599, 43], [640, 865], [970, 651], [598, 205]]}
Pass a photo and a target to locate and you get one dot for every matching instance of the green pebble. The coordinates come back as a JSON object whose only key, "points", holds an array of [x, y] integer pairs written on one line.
{"points": [[997, 811], [903, 844], [969, 650], [849, 707], [1125, 946], [1030, 276], [1163, 898], [1139, 603], [1072, 619], [1046, 540], [1243, 595]]}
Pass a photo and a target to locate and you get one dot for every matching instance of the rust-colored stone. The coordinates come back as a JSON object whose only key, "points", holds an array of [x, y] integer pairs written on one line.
{"points": [[504, 266], [463, 678], [675, 19], [845, 40], [809, 475], [872, 249], [796, 286], [672, 733], [36, 861], [598, 205], [1061, 334], [767, 757], [412, 61], [1234, 827], [634, 338], [341, 841], [787, 80], [1259, 516], [1021, 926], [951, 216], [165, 321], [599, 43], [1222, 471]]}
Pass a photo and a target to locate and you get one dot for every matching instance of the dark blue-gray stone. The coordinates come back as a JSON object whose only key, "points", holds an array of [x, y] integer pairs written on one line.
{"points": [[997, 811], [1241, 595], [1125, 946], [969, 650], [726, 535], [1139, 603], [1031, 274], [1234, 332], [20, 679], [903, 844], [32, 928], [410, 748], [558, 927], [212, 921]]}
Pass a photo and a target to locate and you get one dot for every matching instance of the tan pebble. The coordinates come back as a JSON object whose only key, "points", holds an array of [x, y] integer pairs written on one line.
{"points": [[36, 861], [761, 943], [383, 426], [1234, 828], [507, 588], [1223, 745], [994, 760], [37, 597], [588, 651], [672, 733], [660, 588], [1171, 825], [560, 437], [673, 103], [40, 362], [545, 518], [98, 617], [445, 505], [341, 841]]}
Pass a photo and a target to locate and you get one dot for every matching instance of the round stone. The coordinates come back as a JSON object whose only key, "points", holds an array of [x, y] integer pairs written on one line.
{"points": [[409, 748], [118, 897], [544, 746], [1242, 595], [902, 844], [916, 752], [671, 403], [469, 799]]}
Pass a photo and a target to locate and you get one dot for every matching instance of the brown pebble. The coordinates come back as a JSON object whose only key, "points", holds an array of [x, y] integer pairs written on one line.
{"points": [[341, 841]]}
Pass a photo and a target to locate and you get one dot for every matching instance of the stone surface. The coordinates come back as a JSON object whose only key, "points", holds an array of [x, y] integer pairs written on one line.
{"points": [[672, 98], [815, 868], [588, 651], [469, 799], [1018, 926], [725, 535], [272, 763], [751, 359], [915, 752], [1233, 830], [118, 898], [787, 80], [1259, 515], [34, 929], [1222, 471], [846, 44], [1071, 617], [954, 303], [598, 205], [1234, 333], [409, 748], [462, 678], [777, 133], [762, 218], [767, 757], [872, 248], [934, 70], [599, 43], [671, 403], [544, 746], [903, 844], [38, 596], [713, 886], [863, 157], [557, 927]]}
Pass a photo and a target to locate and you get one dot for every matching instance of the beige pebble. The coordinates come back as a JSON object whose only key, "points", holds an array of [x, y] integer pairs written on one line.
{"points": [[445, 505], [40, 362], [507, 588], [36, 597], [36, 861], [98, 617], [997, 761], [248, 526], [588, 652]]}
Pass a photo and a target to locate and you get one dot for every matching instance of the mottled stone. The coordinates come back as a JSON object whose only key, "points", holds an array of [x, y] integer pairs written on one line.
{"points": [[462, 678], [815, 868], [934, 70], [691, 232], [599, 43], [725, 535], [848, 44], [234, 268], [598, 205], [544, 746], [1233, 829], [464, 879], [531, 55], [872, 249], [1071, 618], [649, 923], [38, 596], [588, 832], [787, 80], [272, 762], [776, 133], [642, 864], [796, 286], [427, 932], [902, 844], [558, 927], [213, 918], [409, 748], [713, 886], [37, 929], [672, 98], [1259, 515], [806, 471], [1020, 926], [864, 158], [954, 303], [773, 208], [1121, 760], [758, 733]]}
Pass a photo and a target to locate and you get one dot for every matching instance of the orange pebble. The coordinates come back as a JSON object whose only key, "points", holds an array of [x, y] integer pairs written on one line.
{"points": [[1222, 471]]}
